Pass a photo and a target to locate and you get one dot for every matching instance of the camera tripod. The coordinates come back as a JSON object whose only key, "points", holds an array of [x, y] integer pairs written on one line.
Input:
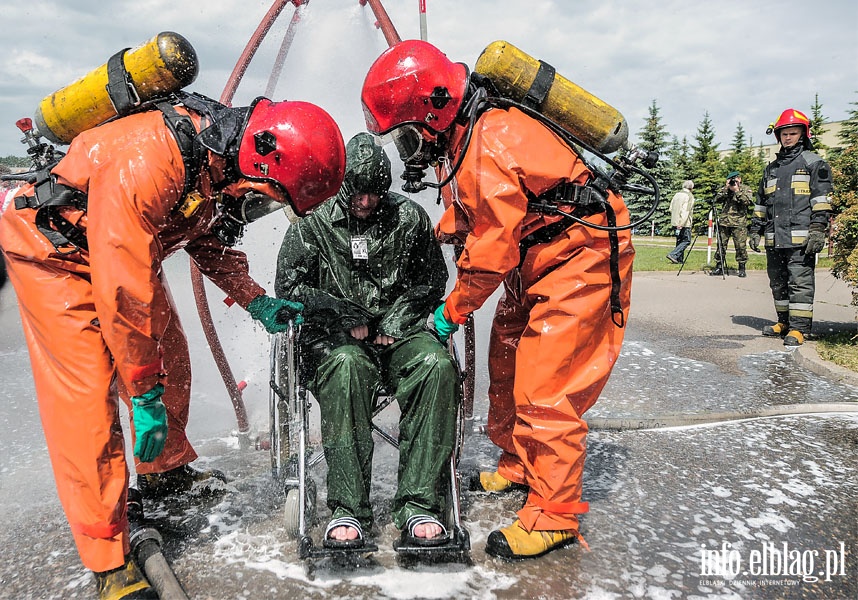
{"points": [[719, 251]]}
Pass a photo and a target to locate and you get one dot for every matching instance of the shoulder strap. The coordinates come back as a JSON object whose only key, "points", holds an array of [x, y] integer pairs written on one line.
{"points": [[183, 130]]}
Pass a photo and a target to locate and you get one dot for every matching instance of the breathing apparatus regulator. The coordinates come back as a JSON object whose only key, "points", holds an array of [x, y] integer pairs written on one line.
{"points": [[506, 77]]}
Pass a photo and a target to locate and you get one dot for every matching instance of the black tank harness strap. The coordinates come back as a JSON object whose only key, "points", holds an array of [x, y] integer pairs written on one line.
{"points": [[587, 200], [184, 132], [120, 87], [50, 196], [48, 199], [540, 87]]}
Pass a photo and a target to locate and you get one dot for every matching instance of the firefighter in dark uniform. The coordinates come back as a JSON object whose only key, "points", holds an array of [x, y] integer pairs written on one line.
{"points": [[733, 201], [792, 213]]}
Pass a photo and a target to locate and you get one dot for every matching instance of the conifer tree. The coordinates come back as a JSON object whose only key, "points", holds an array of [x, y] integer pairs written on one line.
{"points": [[706, 168], [817, 126], [844, 168], [653, 138]]}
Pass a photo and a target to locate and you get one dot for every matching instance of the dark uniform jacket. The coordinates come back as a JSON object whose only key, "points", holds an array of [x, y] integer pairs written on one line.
{"points": [[793, 198]]}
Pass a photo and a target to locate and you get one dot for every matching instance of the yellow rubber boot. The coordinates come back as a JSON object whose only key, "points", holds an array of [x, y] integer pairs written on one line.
{"points": [[124, 583], [514, 542], [492, 481], [777, 330], [794, 338]]}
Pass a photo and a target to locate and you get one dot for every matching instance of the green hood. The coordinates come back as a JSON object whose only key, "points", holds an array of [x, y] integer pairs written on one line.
{"points": [[367, 168]]}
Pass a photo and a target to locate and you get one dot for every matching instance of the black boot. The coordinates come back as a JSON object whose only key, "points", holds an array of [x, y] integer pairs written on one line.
{"points": [[179, 480], [742, 270], [717, 271]]}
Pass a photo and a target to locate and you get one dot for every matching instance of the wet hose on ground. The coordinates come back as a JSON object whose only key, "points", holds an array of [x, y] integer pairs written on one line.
{"points": [[146, 552], [686, 420]]}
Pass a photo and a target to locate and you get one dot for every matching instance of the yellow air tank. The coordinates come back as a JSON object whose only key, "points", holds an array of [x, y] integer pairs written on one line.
{"points": [[573, 108], [163, 65]]}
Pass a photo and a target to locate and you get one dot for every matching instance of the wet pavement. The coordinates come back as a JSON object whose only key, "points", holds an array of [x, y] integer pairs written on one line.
{"points": [[760, 508]]}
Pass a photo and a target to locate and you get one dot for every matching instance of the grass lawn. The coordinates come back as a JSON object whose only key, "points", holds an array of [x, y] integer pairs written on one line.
{"points": [[650, 255]]}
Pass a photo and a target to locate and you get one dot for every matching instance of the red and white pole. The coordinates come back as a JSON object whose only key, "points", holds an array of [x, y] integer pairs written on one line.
{"points": [[422, 6], [709, 242]]}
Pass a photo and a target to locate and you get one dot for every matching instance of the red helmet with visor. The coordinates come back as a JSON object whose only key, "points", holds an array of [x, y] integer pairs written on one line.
{"points": [[413, 82], [296, 145]]}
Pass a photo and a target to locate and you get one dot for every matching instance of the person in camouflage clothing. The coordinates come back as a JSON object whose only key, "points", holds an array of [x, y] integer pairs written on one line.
{"points": [[369, 271], [733, 202]]}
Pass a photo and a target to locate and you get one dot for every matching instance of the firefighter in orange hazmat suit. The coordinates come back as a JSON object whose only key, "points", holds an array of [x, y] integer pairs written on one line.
{"points": [[96, 310], [555, 335]]}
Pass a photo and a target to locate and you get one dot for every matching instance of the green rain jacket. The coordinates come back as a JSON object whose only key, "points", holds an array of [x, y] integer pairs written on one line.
{"points": [[322, 262]]}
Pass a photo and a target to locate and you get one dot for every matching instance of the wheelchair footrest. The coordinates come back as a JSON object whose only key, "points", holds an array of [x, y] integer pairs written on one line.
{"points": [[455, 549], [307, 549]]}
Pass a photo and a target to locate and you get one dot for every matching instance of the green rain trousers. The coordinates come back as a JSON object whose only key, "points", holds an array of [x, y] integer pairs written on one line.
{"points": [[424, 380]]}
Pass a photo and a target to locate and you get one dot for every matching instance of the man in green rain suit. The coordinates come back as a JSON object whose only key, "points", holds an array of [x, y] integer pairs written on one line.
{"points": [[369, 271]]}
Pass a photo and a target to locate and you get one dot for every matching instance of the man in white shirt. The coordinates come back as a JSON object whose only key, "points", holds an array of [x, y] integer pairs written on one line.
{"points": [[680, 217]]}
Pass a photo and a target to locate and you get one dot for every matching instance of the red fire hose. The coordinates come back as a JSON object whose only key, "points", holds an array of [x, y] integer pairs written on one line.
{"points": [[197, 283]]}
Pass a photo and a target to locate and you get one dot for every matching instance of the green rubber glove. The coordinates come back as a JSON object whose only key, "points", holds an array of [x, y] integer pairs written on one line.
{"points": [[443, 326], [150, 424], [275, 313], [815, 242]]}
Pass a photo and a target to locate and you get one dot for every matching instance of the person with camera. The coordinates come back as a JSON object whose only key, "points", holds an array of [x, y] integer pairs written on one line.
{"points": [[681, 208], [732, 204], [792, 213]]}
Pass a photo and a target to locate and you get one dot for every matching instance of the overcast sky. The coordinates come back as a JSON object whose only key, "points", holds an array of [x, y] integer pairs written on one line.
{"points": [[742, 61]]}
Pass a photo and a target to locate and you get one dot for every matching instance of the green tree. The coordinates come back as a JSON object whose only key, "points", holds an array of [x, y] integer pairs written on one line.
{"points": [[844, 168], [817, 126], [706, 168], [653, 138], [679, 159], [16, 161], [745, 159]]}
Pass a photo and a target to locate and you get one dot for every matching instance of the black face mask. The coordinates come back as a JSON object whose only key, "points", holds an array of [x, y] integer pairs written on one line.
{"points": [[416, 155]]}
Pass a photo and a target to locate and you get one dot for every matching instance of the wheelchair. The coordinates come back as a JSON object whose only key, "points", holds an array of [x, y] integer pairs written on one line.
{"points": [[292, 456]]}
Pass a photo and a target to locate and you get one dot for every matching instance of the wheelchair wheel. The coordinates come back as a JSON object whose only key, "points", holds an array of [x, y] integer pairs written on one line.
{"points": [[292, 509]]}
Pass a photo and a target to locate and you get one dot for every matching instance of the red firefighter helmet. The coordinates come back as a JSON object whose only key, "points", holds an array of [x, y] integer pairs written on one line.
{"points": [[296, 145], [413, 82], [791, 117]]}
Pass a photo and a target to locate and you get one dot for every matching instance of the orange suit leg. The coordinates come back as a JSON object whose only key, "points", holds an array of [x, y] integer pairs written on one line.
{"points": [[509, 322], [563, 361], [78, 405], [177, 398]]}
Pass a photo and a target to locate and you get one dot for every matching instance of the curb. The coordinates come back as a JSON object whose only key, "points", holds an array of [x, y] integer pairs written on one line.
{"points": [[807, 357]]}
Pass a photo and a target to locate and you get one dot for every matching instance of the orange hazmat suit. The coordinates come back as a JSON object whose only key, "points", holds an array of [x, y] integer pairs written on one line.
{"points": [[101, 322], [553, 342]]}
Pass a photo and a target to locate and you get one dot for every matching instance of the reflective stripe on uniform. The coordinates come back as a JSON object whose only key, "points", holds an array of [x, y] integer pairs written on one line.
{"points": [[771, 186], [820, 203], [781, 305], [801, 309]]}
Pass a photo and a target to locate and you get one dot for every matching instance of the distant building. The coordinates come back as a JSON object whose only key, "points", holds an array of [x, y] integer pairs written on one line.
{"points": [[828, 138]]}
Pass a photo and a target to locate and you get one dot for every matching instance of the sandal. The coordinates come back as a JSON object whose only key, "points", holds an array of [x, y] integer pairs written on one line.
{"points": [[347, 521], [409, 539]]}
